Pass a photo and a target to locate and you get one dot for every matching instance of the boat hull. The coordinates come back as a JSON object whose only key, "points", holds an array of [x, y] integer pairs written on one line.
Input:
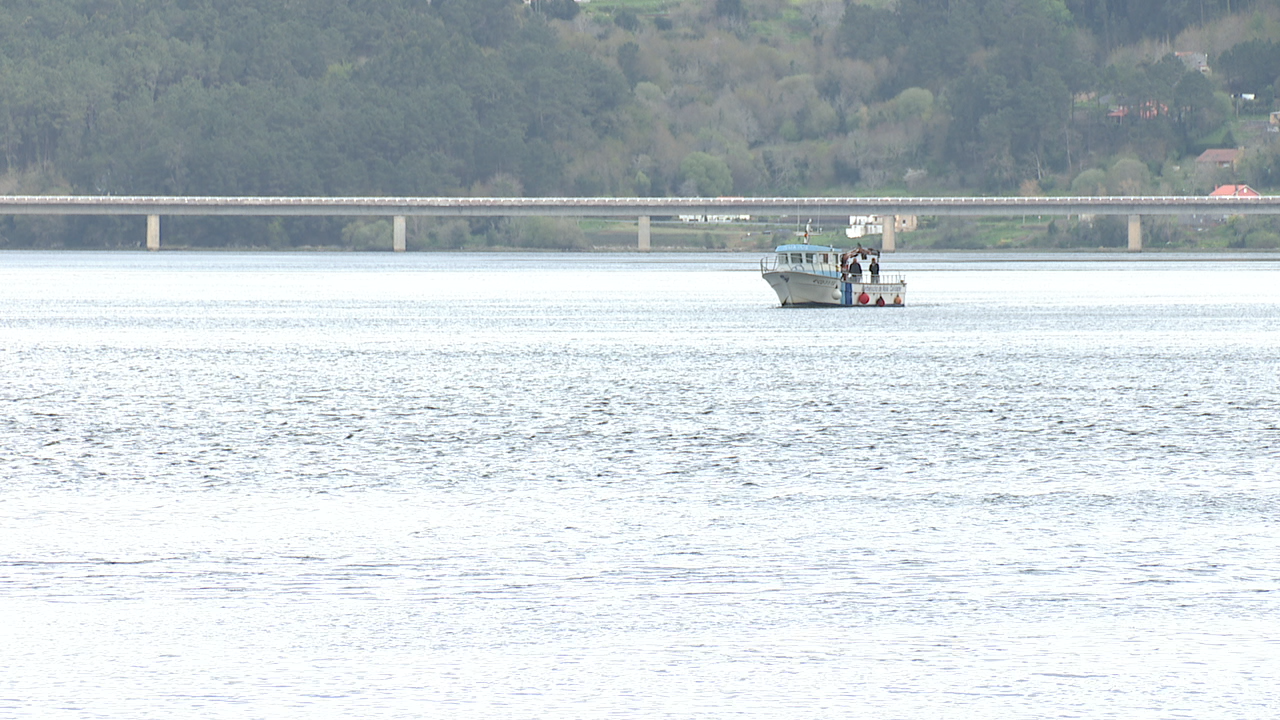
{"points": [[802, 289]]}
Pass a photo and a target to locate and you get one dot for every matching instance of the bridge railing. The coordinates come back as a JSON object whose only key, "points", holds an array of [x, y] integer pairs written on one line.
{"points": [[644, 208]]}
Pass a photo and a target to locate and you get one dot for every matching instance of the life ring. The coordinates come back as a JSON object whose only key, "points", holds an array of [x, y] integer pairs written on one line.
{"points": [[797, 268], [863, 299]]}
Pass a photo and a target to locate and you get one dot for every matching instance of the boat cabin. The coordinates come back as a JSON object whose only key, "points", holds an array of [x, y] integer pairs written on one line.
{"points": [[815, 259]]}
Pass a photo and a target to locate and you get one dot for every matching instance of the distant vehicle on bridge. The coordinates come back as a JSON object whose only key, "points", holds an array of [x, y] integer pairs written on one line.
{"points": [[714, 219]]}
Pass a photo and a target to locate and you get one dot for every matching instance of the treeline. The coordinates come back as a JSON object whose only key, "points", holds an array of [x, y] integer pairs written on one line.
{"points": [[1113, 24], [704, 97], [326, 97]]}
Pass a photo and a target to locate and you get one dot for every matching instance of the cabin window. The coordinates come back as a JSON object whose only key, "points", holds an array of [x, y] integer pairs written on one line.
{"points": [[808, 258]]}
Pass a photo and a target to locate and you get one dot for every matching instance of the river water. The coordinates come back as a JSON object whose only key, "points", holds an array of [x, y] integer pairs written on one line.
{"points": [[585, 486]]}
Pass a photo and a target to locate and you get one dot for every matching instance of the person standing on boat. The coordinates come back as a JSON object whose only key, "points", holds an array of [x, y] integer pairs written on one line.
{"points": [[875, 269], [855, 270]]}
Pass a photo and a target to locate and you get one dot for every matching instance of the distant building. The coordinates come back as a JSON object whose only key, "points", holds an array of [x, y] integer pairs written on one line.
{"points": [[1147, 109], [1218, 157], [1197, 61], [863, 225], [1243, 191], [1235, 191]]}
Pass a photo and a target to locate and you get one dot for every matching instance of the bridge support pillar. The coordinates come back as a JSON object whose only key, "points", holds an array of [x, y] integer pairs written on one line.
{"points": [[644, 234], [889, 241], [153, 232], [1135, 233], [397, 233]]}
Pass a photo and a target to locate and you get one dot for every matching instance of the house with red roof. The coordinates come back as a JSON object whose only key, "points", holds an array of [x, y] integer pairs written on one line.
{"points": [[1235, 191], [1218, 157]]}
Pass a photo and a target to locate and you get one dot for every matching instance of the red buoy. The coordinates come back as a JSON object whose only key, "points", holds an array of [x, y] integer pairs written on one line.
{"points": [[880, 301], [863, 299]]}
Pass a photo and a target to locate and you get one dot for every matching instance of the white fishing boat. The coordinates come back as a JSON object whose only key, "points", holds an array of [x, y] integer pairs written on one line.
{"points": [[814, 275]]}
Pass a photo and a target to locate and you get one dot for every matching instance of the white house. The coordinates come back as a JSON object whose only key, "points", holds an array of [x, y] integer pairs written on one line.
{"points": [[863, 225]]}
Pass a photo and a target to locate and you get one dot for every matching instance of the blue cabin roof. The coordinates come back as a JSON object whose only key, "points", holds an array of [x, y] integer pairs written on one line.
{"points": [[806, 248]]}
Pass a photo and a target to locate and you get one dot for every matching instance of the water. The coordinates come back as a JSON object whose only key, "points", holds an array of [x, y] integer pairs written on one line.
{"points": [[478, 486]]}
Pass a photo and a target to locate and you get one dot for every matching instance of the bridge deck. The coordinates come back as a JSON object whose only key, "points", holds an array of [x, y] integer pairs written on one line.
{"points": [[633, 207]]}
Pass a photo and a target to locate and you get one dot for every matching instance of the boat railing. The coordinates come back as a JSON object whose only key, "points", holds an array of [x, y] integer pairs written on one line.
{"points": [[881, 279]]}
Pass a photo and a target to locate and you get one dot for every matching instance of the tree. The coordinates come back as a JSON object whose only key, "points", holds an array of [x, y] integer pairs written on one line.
{"points": [[559, 9], [705, 175], [626, 20], [1194, 101], [868, 33], [1090, 183], [730, 9], [629, 62], [1128, 177], [1250, 67]]}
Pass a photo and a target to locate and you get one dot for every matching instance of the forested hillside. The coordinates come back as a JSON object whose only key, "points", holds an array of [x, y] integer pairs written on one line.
{"points": [[614, 97], [274, 97]]}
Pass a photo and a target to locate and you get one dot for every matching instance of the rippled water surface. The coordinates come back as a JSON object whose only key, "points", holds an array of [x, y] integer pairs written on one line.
{"points": [[484, 486]]}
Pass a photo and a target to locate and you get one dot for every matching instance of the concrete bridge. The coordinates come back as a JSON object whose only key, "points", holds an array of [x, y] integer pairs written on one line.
{"points": [[643, 208]]}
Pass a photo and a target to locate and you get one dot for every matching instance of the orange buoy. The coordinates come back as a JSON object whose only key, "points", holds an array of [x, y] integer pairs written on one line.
{"points": [[897, 299]]}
